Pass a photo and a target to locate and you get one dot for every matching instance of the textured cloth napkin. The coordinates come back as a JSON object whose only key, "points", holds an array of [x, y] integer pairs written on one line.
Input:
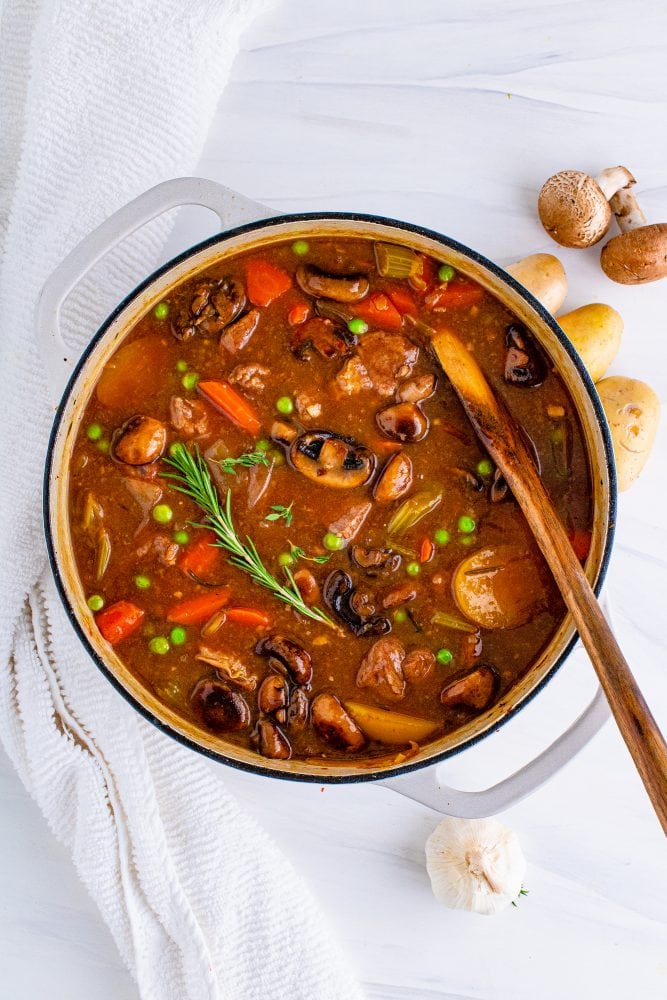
{"points": [[99, 101]]}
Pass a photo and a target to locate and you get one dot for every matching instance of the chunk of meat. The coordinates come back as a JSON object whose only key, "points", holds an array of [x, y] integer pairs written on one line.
{"points": [[399, 595], [387, 358], [381, 668], [307, 406], [320, 335], [251, 377], [237, 336], [418, 665], [228, 666], [349, 523], [163, 546], [188, 416], [353, 377]]}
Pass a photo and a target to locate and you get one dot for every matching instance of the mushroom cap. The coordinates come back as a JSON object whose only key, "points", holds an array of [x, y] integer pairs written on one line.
{"points": [[573, 209], [638, 256]]}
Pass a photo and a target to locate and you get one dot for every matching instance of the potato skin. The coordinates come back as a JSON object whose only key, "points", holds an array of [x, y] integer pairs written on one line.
{"points": [[544, 276], [633, 412], [595, 331]]}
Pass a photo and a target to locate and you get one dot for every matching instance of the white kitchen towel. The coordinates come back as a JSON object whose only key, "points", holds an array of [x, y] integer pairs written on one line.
{"points": [[99, 101]]}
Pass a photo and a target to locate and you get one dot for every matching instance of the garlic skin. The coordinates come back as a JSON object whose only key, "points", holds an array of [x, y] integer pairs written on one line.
{"points": [[475, 864]]}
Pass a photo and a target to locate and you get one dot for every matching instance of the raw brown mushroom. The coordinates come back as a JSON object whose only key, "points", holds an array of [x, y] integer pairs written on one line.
{"points": [[639, 254], [574, 208]]}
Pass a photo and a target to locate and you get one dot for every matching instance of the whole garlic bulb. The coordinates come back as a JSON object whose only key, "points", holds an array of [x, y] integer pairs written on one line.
{"points": [[475, 864]]}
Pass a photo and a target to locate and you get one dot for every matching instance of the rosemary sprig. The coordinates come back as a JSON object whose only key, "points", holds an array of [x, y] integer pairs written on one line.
{"points": [[245, 461], [193, 479]]}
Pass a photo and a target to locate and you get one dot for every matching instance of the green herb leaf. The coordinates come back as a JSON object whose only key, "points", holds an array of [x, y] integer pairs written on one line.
{"points": [[245, 461], [522, 892], [279, 511], [298, 553], [193, 479]]}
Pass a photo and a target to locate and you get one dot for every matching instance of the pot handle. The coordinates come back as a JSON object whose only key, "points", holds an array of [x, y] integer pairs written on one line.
{"points": [[423, 785], [232, 209]]}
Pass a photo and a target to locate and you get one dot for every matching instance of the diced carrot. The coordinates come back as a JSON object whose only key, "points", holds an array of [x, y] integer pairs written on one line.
{"points": [[581, 543], [200, 556], [425, 276], [379, 310], [298, 314], [197, 610], [455, 294], [264, 281], [402, 299], [426, 550], [234, 406], [119, 621], [248, 616]]}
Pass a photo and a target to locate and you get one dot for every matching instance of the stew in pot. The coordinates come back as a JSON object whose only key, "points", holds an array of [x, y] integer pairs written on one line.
{"points": [[285, 525]]}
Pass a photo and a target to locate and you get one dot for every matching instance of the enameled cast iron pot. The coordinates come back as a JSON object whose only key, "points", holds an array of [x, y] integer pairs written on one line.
{"points": [[255, 226]]}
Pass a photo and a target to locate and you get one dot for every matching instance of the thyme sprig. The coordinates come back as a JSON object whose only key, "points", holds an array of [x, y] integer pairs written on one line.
{"points": [[246, 461], [193, 479]]}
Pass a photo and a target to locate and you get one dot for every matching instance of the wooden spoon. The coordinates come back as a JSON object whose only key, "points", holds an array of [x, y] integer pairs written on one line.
{"points": [[500, 436]]}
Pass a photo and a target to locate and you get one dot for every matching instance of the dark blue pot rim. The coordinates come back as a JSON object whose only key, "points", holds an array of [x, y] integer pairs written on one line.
{"points": [[446, 242]]}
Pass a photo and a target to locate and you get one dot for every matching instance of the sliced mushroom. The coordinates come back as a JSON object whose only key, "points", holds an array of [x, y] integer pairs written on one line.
{"points": [[273, 695], [381, 668], [417, 389], [340, 289], [339, 594], [639, 254], [332, 460], [395, 479], [375, 562], [237, 336], [524, 363], [418, 665], [334, 725], [403, 594], [140, 441], [330, 341], [284, 432], [308, 586], [403, 422], [286, 656], [297, 713], [471, 479], [213, 306], [475, 690], [272, 741], [574, 208], [220, 708], [499, 488]]}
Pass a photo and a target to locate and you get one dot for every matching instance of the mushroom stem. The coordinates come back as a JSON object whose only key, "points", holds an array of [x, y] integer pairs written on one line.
{"points": [[627, 210], [613, 179]]}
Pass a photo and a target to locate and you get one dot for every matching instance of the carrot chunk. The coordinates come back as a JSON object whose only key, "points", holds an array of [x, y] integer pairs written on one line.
{"points": [[455, 294], [200, 556], [247, 616], [581, 543], [119, 621], [264, 281], [379, 310], [298, 314], [234, 406], [197, 610], [402, 299], [426, 550]]}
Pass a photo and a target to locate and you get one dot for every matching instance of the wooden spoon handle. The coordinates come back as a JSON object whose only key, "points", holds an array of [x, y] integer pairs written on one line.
{"points": [[505, 445]]}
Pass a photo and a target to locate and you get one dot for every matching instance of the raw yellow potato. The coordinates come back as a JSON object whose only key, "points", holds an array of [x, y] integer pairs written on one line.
{"points": [[499, 586], [633, 412], [595, 331], [389, 727], [544, 276]]}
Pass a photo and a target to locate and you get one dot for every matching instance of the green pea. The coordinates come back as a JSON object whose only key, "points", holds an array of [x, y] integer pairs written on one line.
{"points": [[446, 272], [190, 380], [333, 542], [444, 656], [277, 457], [181, 537], [103, 446], [285, 559], [159, 645], [162, 513], [178, 636], [441, 537], [358, 326], [94, 432], [300, 248], [181, 366], [285, 405], [161, 310], [263, 445], [400, 616], [413, 569], [485, 467], [466, 525], [95, 602], [467, 540], [142, 582], [177, 448]]}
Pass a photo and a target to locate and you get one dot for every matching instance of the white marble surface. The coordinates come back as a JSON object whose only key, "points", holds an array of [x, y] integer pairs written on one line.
{"points": [[450, 116]]}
